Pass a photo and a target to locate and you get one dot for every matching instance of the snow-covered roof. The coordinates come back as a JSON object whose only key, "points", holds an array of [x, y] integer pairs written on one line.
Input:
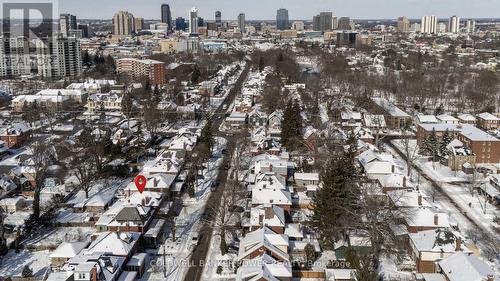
{"points": [[271, 196], [436, 240], [68, 249], [272, 216], [466, 117], [466, 267], [113, 243], [446, 118], [264, 268], [424, 217], [488, 116], [306, 176], [427, 119], [389, 107], [264, 237]]}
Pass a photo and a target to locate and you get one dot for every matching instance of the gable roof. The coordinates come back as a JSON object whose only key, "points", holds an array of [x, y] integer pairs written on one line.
{"points": [[463, 267]]}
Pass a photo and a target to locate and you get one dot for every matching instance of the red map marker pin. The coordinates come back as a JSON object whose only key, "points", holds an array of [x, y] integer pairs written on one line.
{"points": [[140, 182]]}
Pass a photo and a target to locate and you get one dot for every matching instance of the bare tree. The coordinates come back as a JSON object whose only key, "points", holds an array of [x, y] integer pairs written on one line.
{"points": [[410, 151], [39, 163], [85, 171]]}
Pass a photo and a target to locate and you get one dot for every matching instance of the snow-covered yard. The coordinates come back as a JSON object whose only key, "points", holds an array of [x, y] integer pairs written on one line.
{"points": [[13, 263]]}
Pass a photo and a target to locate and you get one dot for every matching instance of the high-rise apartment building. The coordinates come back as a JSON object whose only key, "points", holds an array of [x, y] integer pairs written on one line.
{"points": [[282, 20], [429, 25], [241, 22], [193, 21], [14, 56], [142, 69], [454, 24], [67, 22], [323, 21], [123, 23], [470, 26], [139, 23], [58, 57], [335, 23], [166, 16], [403, 25], [298, 25], [345, 23]]}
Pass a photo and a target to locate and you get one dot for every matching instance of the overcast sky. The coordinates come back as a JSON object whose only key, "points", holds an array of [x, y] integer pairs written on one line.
{"points": [[298, 9]]}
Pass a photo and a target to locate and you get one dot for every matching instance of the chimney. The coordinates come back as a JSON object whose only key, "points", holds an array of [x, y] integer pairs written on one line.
{"points": [[419, 200], [270, 168], [404, 181], [392, 169], [93, 274], [261, 219], [269, 213], [490, 277], [143, 202], [458, 244], [436, 219]]}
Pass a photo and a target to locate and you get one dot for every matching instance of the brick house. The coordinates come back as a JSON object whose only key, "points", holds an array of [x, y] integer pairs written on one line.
{"points": [[488, 121], [14, 135]]}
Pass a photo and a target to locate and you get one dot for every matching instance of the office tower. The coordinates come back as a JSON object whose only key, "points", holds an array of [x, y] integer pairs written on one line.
{"points": [[218, 18], [211, 25], [316, 21], [58, 57], [66, 23], [14, 56], [85, 30], [454, 24], [166, 16], [345, 23], [180, 24], [335, 23], [470, 26], [282, 21], [123, 23], [298, 25], [201, 21], [139, 23], [403, 25], [428, 25], [193, 21], [241, 22]]}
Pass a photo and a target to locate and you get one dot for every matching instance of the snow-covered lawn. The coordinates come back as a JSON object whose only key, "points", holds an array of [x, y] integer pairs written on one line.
{"points": [[51, 238], [13, 263]]}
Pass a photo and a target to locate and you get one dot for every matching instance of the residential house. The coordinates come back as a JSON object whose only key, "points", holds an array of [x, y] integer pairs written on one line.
{"points": [[264, 268], [271, 216], [447, 119], [488, 121], [465, 267], [261, 242], [458, 155], [466, 118], [431, 246], [422, 219], [15, 135], [394, 116], [66, 251]]}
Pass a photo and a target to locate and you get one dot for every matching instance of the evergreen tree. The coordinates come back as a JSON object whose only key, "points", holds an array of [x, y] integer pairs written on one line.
{"points": [[291, 126], [335, 203], [447, 138], [195, 76], [433, 145], [261, 64], [207, 133], [27, 272]]}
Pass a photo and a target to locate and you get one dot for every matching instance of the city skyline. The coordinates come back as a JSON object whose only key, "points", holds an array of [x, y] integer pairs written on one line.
{"points": [[357, 9]]}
